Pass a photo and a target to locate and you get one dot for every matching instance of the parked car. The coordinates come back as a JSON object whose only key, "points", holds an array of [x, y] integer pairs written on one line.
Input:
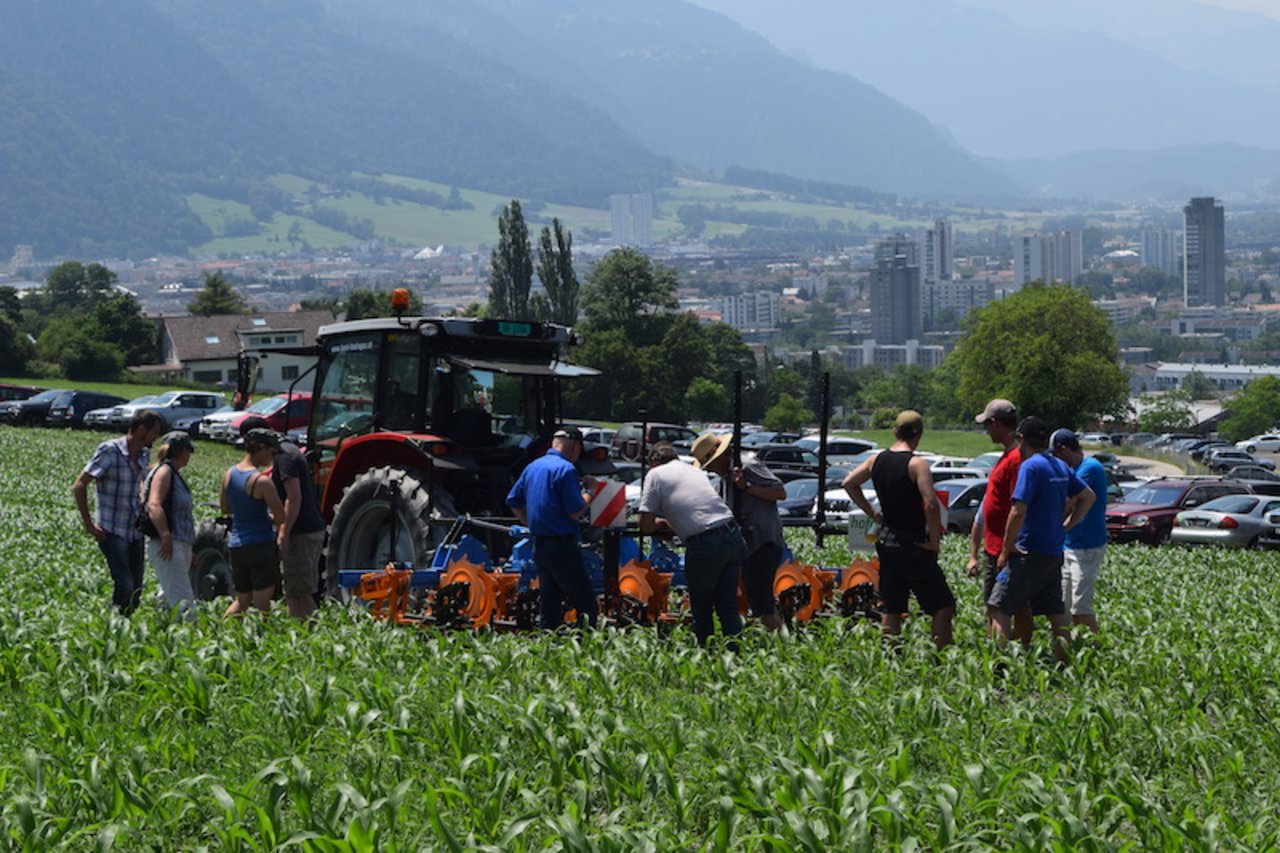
{"points": [[755, 439], [627, 445], [18, 392], [1225, 459], [29, 412], [599, 435], [1267, 442], [801, 500], [784, 457], [964, 498], [1202, 449], [174, 406], [946, 475], [213, 422], [1269, 535], [282, 412], [1139, 439], [936, 462], [837, 446], [1107, 460], [986, 461], [1260, 480], [1235, 521], [122, 413], [1095, 438], [99, 419], [1147, 513], [69, 408]]}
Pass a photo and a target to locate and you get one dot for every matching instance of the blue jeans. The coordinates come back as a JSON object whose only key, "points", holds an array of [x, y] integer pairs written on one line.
{"points": [[127, 560], [712, 561], [562, 578]]}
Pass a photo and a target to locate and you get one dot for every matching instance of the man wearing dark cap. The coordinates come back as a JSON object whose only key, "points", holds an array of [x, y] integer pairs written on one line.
{"points": [[548, 498], [911, 528], [1087, 541], [1000, 419], [301, 537], [1029, 568]]}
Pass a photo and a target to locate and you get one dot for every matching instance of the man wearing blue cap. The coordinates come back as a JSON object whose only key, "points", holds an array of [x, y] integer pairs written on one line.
{"points": [[1086, 542]]}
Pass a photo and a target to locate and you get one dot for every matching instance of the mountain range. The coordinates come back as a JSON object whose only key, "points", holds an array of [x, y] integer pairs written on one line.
{"points": [[116, 110]]}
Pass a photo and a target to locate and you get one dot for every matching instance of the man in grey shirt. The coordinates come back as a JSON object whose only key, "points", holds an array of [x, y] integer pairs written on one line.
{"points": [[755, 501], [679, 498]]}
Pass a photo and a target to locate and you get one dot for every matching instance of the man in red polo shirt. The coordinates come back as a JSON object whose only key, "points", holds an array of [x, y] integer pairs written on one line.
{"points": [[1000, 418]]}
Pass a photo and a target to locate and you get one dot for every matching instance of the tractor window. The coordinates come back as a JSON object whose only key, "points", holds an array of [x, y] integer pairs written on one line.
{"points": [[347, 385], [401, 398]]}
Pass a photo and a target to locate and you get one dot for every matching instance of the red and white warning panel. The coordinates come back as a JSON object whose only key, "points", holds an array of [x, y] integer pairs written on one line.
{"points": [[608, 504]]}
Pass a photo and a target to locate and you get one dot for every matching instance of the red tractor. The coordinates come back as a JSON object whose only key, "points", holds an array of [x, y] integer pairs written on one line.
{"points": [[417, 420]]}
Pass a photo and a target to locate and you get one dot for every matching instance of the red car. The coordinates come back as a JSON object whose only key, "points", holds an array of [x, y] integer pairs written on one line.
{"points": [[282, 412], [1147, 513]]}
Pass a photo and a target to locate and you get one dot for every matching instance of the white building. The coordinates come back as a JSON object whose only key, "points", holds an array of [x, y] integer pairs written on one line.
{"points": [[959, 295], [631, 217], [1048, 257], [1228, 377], [889, 356], [757, 310], [1161, 249], [936, 264]]}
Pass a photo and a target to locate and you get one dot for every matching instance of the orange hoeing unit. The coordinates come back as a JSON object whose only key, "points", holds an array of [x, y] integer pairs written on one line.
{"points": [[638, 580], [490, 594], [802, 590], [387, 593]]}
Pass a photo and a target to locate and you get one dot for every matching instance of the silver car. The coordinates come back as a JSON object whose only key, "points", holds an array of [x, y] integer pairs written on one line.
{"points": [[1234, 521]]}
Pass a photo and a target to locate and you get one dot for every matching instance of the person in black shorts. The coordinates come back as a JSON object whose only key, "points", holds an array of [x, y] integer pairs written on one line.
{"points": [[911, 528]]}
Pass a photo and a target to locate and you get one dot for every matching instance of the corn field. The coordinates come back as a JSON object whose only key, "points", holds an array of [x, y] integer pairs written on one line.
{"points": [[346, 734]]}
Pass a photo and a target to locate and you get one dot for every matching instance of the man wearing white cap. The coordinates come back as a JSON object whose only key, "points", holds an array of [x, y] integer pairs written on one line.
{"points": [[758, 491]]}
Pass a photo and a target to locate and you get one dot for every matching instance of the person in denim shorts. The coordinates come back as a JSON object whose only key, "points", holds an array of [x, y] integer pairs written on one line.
{"points": [[250, 498]]}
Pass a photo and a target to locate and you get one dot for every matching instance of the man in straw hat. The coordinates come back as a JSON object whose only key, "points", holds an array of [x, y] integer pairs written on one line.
{"points": [[911, 525], [679, 498], [756, 494]]}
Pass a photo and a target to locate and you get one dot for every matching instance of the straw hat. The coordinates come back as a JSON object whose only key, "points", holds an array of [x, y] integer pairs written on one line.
{"points": [[709, 447]]}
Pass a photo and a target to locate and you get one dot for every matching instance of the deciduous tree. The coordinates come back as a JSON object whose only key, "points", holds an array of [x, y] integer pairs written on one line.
{"points": [[625, 289], [1049, 350], [1256, 409]]}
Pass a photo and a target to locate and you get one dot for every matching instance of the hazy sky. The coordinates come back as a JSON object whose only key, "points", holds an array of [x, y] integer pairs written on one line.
{"points": [[1266, 7]]}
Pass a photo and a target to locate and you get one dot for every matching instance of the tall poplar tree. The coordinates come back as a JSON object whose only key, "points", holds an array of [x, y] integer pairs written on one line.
{"points": [[555, 270], [511, 278]]}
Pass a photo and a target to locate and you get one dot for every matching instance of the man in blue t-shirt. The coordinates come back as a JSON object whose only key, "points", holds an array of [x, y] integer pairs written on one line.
{"points": [[1087, 541], [548, 498], [1029, 568]]}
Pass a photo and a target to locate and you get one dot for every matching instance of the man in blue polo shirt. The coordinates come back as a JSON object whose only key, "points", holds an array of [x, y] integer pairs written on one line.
{"points": [[1029, 567], [548, 498], [1087, 541]]}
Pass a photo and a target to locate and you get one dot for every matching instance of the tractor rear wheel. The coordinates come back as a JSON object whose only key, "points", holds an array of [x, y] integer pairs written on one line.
{"points": [[361, 534], [211, 561]]}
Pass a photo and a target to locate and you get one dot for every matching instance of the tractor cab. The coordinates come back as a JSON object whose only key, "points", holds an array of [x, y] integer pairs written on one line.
{"points": [[416, 420]]}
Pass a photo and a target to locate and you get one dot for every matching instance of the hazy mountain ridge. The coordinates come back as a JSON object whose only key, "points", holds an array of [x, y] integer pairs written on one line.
{"points": [[1022, 80], [699, 88]]}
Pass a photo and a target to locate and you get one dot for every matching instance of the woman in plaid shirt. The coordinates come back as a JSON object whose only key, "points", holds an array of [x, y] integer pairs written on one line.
{"points": [[116, 470]]}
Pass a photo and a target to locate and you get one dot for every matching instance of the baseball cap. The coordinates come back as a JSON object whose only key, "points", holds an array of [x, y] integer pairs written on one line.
{"points": [[269, 438], [1064, 438], [572, 433], [251, 423], [178, 441], [1034, 429], [997, 409]]}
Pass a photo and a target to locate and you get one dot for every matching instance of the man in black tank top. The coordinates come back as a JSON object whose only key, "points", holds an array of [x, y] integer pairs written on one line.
{"points": [[911, 527]]}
